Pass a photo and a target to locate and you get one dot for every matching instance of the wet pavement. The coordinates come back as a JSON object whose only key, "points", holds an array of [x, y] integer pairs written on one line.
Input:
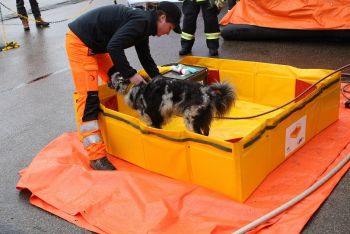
{"points": [[37, 106], [9, 6]]}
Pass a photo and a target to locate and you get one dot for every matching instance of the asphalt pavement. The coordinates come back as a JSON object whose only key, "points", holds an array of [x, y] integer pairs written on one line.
{"points": [[36, 103]]}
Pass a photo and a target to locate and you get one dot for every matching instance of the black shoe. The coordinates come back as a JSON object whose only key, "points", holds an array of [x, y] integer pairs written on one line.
{"points": [[184, 52], [102, 164], [213, 52]]}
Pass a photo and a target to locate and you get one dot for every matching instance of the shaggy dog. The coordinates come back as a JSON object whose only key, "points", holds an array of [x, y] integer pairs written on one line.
{"points": [[163, 97]]}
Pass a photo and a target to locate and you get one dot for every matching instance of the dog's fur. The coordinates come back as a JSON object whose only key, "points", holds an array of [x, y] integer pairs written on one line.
{"points": [[162, 97]]}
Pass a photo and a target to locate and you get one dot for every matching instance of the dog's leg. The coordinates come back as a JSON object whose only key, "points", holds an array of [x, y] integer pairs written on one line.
{"points": [[197, 129], [201, 127], [205, 130], [156, 119], [201, 122], [156, 125], [192, 124]]}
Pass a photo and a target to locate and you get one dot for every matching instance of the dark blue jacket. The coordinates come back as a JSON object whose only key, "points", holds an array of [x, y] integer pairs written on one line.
{"points": [[114, 28]]}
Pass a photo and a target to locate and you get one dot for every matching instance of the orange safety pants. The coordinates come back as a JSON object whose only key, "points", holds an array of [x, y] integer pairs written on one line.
{"points": [[86, 67]]}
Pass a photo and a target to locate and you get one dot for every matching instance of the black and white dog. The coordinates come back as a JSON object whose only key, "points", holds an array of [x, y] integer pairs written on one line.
{"points": [[163, 97]]}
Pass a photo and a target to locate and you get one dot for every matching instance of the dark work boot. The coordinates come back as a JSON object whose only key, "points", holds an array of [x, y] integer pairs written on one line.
{"points": [[213, 52], [184, 51], [186, 47], [41, 23], [102, 164], [213, 45]]}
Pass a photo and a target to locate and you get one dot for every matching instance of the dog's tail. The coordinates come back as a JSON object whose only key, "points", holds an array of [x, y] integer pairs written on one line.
{"points": [[224, 97]]}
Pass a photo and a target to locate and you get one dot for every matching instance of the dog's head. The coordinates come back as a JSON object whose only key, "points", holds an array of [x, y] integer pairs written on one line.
{"points": [[118, 83]]}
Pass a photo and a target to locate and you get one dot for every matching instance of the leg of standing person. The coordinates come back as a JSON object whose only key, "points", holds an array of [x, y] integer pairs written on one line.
{"points": [[211, 28], [85, 70], [22, 13], [39, 22], [190, 11]]}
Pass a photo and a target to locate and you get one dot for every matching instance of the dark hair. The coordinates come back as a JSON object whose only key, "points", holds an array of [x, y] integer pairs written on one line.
{"points": [[152, 6]]}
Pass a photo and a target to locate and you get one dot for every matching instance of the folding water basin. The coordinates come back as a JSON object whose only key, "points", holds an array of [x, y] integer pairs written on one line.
{"points": [[238, 153]]}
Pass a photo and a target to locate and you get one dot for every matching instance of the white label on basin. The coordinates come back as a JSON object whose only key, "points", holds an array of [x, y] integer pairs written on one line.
{"points": [[295, 135]]}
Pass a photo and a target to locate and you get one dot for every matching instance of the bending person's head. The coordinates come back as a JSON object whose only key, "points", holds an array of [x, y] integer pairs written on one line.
{"points": [[169, 16]]}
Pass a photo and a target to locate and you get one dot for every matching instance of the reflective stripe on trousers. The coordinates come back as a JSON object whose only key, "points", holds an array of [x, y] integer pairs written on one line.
{"points": [[187, 36], [211, 36], [89, 127], [91, 139]]}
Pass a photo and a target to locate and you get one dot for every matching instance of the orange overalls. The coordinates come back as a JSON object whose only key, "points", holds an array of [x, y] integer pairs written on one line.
{"points": [[86, 67]]}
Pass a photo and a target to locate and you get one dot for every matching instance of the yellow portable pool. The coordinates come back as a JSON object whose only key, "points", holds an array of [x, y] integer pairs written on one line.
{"points": [[241, 149]]}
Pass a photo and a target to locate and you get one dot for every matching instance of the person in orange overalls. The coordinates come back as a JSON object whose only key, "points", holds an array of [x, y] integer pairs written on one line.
{"points": [[95, 43]]}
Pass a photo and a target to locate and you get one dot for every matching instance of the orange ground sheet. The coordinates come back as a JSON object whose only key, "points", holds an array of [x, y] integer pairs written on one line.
{"points": [[133, 200], [287, 14]]}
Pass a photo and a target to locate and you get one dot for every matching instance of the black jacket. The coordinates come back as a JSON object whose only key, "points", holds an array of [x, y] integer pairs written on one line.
{"points": [[114, 28]]}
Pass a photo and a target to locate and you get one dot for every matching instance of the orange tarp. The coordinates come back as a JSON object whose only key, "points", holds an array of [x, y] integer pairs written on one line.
{"points": [[291, 14], [133, 200]]}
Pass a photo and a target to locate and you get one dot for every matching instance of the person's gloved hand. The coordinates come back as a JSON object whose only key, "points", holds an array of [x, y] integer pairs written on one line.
{"points": [[137, 79]]}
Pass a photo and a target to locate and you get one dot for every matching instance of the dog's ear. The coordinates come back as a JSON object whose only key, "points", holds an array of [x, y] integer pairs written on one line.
{"points": [[119, 83], [111, 72], [114, 80]]}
